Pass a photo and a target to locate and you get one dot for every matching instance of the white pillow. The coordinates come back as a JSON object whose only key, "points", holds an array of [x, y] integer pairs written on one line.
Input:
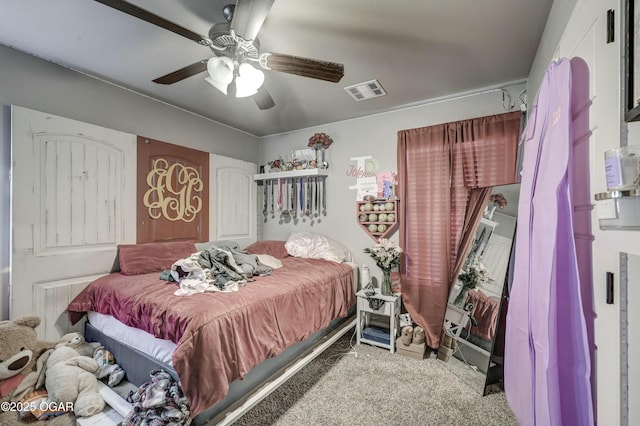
{"points": [[270, 261], [316, 246]]}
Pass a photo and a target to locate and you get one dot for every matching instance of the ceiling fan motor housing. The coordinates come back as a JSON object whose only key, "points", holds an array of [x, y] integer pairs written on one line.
{"points": [[220, 36]]}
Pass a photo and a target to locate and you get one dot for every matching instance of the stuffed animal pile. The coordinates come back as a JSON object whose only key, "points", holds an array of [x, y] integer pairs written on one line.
{"points": [[22, 369], [50, 383], [70, 376]]}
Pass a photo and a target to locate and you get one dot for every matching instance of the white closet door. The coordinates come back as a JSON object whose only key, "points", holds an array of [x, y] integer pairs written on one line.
{"points": [[73, 201], [498, 249], [233, 201], [597, 120]]}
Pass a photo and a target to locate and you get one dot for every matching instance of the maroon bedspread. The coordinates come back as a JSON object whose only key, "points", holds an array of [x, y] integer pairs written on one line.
{"points": [[221, 336], [485, 311]]}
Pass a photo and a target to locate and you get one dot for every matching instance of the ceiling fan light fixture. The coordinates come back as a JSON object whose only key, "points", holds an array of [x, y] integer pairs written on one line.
{"points": [[220, 71], [248, 80]]}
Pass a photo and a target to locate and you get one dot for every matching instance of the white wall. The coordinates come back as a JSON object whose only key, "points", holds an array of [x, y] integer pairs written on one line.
{"points": [[373, 135], [33, 83], [556, 23], [506, 225]]}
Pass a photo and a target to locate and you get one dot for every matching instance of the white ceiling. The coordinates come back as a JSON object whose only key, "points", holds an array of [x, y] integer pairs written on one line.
{"points": [[417, 49]]}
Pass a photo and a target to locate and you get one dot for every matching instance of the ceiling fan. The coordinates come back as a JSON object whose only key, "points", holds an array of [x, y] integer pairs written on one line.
{"points": [[235, 47]]}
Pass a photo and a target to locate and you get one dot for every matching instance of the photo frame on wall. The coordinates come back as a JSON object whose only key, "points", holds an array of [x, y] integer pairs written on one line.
{"points": [[632, 62]]}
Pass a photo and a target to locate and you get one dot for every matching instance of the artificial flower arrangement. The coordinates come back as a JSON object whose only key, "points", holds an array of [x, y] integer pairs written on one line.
{"points": [[499, 200], [386, 254], [474, 275], [320, 140]]}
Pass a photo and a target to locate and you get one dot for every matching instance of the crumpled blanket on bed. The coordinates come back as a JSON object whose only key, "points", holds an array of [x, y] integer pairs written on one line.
{"points": [[219, 268]]}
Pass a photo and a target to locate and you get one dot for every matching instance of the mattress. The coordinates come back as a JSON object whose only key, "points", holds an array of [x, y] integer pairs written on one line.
{"points": [[160, 349]]}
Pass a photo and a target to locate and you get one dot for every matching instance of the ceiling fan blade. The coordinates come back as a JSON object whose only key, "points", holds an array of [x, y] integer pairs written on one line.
{"points": [[263, 99], [182, 73], [249, 16], [312, 68], [145, 15]]}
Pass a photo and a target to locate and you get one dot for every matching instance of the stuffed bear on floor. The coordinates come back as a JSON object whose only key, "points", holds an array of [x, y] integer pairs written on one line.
{"points": [[70, 377], [22, 364], [77, 342], [107, 367]]}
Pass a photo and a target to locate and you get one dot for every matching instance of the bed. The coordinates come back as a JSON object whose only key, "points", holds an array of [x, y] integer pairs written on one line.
{"points": [[219, 338], [481, 330]]}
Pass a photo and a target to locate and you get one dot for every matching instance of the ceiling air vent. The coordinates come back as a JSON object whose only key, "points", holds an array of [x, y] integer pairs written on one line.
{"points": [[366, 90]]}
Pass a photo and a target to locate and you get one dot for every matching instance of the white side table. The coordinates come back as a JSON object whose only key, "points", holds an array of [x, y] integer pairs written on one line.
{"points": [[455, 319], [390, 308]]}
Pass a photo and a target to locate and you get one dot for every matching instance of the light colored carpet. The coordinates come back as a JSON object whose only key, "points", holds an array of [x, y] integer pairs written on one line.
{"points": [[377, 388], [472, 378]]}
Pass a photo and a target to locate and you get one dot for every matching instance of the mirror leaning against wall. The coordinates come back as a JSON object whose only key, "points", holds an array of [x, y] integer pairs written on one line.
{"points": [[474, 320]]}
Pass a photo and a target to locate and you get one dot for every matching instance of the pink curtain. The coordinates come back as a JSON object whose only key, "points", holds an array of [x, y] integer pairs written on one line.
{"points": [[438, 167], [478, 199]]}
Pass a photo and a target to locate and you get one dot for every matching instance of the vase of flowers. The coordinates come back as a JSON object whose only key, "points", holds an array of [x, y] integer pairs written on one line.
{"points": [[495, 201], [474, 275], [320, 142], [386, 255]]}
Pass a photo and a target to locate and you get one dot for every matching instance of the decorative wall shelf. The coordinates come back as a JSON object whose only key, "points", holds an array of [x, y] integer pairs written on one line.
{"points": [[292, 174], [365, 210], [294, 194]]}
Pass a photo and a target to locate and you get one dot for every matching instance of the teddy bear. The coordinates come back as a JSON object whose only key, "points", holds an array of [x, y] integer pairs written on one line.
{"points": [[107, 367], [77, 342], [20, 351], [22, 361], [70, 377]]}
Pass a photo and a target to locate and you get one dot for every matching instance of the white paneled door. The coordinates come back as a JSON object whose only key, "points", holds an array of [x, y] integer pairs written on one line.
{"points": [[596, 123], [233, 211], [73, 202]]}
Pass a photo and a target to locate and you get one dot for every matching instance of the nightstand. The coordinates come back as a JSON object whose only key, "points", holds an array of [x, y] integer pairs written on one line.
{"points": [[389, 307], [455, 319]]}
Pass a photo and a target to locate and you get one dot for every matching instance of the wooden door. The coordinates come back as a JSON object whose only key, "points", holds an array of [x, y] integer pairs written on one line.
{"points": [[173, 192], [73, 202]]}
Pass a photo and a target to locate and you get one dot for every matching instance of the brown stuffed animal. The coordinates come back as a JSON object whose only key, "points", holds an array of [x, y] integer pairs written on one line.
{"points": [[22, 359]]}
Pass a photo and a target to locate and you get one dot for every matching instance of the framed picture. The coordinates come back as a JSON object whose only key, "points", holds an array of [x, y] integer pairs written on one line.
{"points": [[632, 62]]}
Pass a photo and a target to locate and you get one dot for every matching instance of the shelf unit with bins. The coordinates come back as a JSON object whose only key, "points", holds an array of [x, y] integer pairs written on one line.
{"points": [[390, 225]]}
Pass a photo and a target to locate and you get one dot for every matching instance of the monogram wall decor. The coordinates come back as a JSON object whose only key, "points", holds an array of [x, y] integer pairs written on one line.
{"points": [[173, 192]]}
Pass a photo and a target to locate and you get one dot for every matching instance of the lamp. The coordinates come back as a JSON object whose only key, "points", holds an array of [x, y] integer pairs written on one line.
{"points": [[248, 80], [222, 73]]}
